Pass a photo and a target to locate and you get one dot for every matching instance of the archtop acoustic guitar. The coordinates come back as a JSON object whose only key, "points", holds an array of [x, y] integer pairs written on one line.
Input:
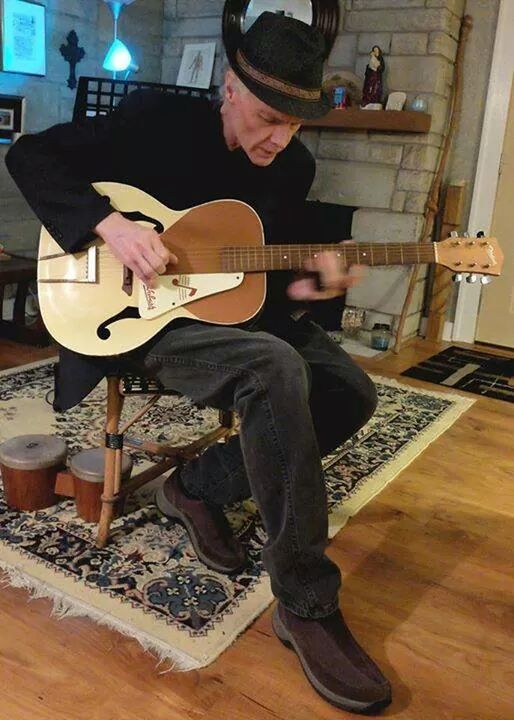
{"points": [[93, 304]]}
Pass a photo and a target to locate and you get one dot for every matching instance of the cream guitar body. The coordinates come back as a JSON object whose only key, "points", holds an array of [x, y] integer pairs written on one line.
{"points": [[93, 304], [80, 293]]}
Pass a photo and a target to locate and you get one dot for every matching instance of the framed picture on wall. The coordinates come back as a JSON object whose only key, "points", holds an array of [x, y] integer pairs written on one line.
{"points": [[197, 65], [23, 39], [11, 117]]}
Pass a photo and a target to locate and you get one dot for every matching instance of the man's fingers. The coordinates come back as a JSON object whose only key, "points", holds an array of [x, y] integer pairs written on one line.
{"points": [[162, 251], [145, 271], [301, 289]]}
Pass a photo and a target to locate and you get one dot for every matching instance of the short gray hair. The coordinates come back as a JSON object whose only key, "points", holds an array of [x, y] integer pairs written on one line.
{"points": [[239, 83]]}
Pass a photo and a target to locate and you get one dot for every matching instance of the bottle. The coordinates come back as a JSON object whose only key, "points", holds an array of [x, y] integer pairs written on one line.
{"points": [[380, 336]]}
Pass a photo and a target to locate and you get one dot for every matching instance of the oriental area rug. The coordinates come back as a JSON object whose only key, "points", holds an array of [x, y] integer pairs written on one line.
{"points": [[148, 583]]}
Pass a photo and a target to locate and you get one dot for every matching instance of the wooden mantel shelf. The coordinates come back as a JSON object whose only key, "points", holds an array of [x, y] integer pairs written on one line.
{"points": [[355, 119]]}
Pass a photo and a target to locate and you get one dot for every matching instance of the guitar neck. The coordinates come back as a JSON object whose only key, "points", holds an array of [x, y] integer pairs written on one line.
{"points": [[292, 257]]}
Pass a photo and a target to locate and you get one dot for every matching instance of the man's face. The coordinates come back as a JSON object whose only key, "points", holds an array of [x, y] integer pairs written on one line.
{"points": [[258, 129]]}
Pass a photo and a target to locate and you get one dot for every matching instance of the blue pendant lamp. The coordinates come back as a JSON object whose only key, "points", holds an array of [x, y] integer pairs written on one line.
{"points": [[118, 58]]}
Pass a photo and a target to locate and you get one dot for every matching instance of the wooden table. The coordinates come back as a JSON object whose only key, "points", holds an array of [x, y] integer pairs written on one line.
{"points": [[20, 272]]}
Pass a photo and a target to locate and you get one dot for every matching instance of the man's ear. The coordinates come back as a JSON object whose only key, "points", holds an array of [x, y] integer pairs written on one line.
{"points": [[230, 85]]}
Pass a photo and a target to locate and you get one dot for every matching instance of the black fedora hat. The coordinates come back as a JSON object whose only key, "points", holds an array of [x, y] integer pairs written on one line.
{"points": [[280, 60]]}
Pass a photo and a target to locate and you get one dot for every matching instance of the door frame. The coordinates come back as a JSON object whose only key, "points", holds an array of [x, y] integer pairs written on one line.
{"points": [[488, 165]]}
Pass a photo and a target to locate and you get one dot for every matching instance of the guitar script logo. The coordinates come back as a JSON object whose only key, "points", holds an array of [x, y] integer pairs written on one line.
{"points": [[151, 297], [491, 255]]}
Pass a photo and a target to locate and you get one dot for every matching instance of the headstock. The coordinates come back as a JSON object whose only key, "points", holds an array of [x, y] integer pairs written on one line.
{"points": [[476, 256]]}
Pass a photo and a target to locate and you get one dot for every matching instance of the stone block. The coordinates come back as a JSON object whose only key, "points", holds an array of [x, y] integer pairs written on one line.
{"points": [[378, 4], [22, 234], [385, 289], [170, 9], [338, 148], [351, 183], [377, 226], [412, 325], [170, 68], [440, 43], [403, 138], [420, 157], [438, 108], [310, 138], [8, 188], [196, 27], [344, 51], [415, 202], [333, 134], [172, 46], [400, 20], [416, 180], [15, 208], [200, 8], [426, 74], [455, 6], [367, 40], [398, 201], [409, 44], [76, 8]]}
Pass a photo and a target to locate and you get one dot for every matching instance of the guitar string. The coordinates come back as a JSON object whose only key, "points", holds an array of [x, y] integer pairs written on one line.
{"points": [[276, 254]]}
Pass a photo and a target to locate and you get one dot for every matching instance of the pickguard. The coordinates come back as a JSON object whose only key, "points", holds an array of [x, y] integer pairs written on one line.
{"points": [[174, 291]]}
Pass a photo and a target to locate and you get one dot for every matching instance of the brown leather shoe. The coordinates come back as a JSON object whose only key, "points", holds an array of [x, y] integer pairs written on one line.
{"points": [[334, 663], [208, 528]]}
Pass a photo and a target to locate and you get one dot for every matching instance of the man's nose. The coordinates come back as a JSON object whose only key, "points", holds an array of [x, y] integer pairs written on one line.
{"points": [[281, 136]]}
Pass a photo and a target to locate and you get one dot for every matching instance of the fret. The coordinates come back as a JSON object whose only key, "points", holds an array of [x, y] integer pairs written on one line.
{"points": [[289, 257]]}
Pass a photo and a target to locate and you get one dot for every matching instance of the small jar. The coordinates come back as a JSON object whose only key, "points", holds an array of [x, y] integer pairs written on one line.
{"points": [[380, 336], [419, 104]]}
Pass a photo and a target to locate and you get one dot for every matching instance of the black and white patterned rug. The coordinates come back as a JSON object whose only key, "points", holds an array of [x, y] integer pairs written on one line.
{"points": [[475, 371], [148, 582]]}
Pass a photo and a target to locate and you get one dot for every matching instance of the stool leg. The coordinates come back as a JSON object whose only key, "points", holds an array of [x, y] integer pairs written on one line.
{"points": [[112, 472]]}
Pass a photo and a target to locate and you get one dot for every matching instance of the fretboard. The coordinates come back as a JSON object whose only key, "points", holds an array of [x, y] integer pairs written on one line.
{"points": [[292, 257]]}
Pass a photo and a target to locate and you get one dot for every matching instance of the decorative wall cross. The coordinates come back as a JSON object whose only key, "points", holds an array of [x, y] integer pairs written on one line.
{"points": [[73, 54]]}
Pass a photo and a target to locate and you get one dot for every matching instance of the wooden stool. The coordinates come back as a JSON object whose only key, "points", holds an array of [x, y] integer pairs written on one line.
{"points": [[87, 468], [30, 464]]}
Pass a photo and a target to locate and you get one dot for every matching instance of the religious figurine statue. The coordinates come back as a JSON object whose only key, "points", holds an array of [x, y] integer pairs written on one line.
{"points": [[372, 89]]}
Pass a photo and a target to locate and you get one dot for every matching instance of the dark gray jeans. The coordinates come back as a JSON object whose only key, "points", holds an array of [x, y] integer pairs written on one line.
{"points": [[299, 396]]}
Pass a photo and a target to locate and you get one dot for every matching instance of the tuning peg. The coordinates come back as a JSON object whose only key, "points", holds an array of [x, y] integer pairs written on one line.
{"points": [[454, 234], [471, 278], [486, 279], [481, 233], [457, 278]]}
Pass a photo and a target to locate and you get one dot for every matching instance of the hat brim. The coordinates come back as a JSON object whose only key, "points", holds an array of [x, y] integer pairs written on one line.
{"points": [[296, 107]]}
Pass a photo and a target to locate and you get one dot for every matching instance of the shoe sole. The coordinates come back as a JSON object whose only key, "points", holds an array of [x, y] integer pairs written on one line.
{"points": [[173, 513], [354, 706]]}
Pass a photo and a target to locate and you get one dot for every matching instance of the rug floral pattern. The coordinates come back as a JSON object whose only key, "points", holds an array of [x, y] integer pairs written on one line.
{"points": [[150, 565]]}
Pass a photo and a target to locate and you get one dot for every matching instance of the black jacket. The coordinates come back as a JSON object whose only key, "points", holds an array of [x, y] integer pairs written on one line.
{"points": [[172, 147]]}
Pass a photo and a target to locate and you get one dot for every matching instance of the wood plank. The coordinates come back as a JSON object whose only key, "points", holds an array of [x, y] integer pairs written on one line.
{"points": [[392, 120], [428, 590], [442, 287]]}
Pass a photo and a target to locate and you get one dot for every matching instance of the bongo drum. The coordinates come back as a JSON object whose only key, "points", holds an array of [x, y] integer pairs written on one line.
{"points": [[30, 464], [87, 468]]}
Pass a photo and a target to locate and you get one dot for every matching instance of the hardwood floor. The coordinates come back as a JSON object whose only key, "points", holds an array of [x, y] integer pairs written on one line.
{"points": [[428, 590]]}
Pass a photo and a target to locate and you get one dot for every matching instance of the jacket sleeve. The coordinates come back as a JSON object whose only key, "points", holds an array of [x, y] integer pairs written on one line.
{"points": [[54, 169]]}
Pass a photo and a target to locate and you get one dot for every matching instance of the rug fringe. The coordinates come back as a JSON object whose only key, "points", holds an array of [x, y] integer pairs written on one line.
{"points": [[64, 606]]}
